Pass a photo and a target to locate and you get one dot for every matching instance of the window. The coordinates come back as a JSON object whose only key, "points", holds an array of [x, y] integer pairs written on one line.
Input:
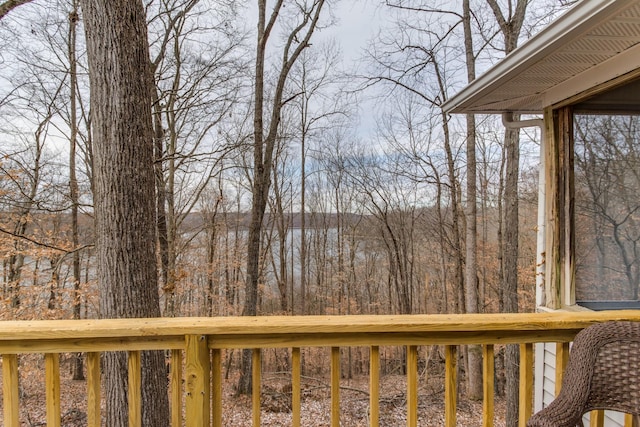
{"points": [[607, 198]]}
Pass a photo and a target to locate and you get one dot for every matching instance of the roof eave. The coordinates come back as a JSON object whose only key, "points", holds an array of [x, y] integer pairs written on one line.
{"points": [[567, 27]]}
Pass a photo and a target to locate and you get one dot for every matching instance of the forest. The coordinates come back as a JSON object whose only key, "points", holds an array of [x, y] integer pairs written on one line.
{"points": [[281, 175]]}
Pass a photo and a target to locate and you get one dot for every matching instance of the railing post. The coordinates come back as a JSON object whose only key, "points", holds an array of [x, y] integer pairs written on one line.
{"points": [[335, 386], [52, 381], [412, 386], [216, 369], [526, 383], [296, 386], [135, 389], [562, 360], [10, 391], [596, 418], [176, 388], [374, 386], [451, 384], [256, 381], [93, 389], [197, 381], [488, 360]]}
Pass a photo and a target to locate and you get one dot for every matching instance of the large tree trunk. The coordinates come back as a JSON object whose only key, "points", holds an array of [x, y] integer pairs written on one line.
{"points": [[120, 80]]}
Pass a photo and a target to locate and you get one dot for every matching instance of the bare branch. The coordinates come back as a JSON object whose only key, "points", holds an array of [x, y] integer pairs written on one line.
{"points": [[9, 5]]}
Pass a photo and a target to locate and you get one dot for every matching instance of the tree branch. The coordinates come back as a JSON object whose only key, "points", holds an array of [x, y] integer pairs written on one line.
{"points": [[9, 5]]}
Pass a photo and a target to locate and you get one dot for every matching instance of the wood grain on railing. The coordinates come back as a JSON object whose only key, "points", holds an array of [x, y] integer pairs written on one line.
{"points": [[450, 384], [256, 379], [52, 385], [335, 386], [175, 387], [488, 386], [216, 373], [10, 391], [412, 386], [135, 389], [562, 359], [197, 385], [526, 382], [296, 386], [93, 389], [374, 386], [197, 344]]}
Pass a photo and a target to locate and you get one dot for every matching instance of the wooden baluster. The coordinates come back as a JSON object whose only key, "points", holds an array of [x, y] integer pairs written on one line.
{"points": [[135, 390], [93, 389], [52, 381], [10, 390], [335, 386], [488, 368], [374, 386], [296, 386], [596, 418], [412, 386], [176, 388], [256, 377], [216, 369], [628, 421], [198, 381], [562, 360], [450, 384], [526, 383]]}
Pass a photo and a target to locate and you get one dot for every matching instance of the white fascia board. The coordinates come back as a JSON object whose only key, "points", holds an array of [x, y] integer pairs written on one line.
{"points": [[565, 29]]}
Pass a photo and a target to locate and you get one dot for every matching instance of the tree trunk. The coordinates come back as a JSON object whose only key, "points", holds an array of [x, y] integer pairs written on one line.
{"points": [[264, 144], [78, 373], [120, 77], [474, 359], [510, 261], [510, 27]]}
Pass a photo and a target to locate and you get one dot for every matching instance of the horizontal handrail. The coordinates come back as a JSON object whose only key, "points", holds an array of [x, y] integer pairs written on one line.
{"points": [[32, 336], [198, 341]]}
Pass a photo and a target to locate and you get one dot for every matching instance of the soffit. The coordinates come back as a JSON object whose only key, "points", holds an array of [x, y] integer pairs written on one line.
{"points": [[579, 50]]}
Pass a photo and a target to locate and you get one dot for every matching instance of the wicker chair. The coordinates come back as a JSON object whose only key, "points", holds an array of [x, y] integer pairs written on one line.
{"points": [[603, 373]]}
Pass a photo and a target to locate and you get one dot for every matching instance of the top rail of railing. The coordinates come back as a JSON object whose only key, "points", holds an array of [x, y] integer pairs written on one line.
{"points": [[37, 336]]}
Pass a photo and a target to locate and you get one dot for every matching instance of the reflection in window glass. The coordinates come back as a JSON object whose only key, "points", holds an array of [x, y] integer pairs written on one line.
{"points": [[607, 207]]}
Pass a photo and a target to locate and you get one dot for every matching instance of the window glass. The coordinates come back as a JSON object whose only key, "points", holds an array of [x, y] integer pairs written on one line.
{"points": [[607, 206]]}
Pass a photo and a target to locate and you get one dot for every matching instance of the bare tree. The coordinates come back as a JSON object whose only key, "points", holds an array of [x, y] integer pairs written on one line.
{"points": [[121, 82], [197, 69], [9, 5], [306, 16], [510, 23]]}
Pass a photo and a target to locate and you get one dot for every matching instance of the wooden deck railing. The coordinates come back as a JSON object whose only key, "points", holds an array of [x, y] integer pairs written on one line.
{"points": [[196, 344]]}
